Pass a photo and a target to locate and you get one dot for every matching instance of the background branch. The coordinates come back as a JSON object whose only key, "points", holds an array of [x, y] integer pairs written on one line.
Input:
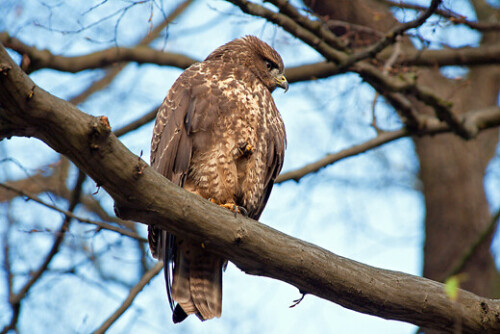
{"points": [[145, 279]]}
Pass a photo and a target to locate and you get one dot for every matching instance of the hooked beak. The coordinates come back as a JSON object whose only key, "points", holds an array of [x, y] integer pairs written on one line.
{"points": [[282, 82]]}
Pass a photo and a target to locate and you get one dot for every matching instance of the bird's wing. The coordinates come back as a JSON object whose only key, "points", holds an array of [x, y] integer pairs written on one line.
{"points": [[276, 144], [189, 108]]}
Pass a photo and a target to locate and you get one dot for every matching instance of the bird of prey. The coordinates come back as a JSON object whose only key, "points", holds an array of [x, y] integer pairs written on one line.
{"points": [[219, 135]]}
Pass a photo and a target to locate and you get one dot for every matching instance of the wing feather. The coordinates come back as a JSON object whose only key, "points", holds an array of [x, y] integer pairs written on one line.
{"points": [[276, 144], [184, 111]]}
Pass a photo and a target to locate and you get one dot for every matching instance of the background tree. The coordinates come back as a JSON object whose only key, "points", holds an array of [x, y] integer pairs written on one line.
{"points": [[400, 86]]}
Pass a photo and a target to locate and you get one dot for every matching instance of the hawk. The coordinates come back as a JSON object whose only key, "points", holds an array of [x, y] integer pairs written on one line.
{"points": [[219, 135]]}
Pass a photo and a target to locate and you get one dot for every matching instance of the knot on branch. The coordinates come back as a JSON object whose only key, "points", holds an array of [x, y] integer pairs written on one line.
{"points": [[139, 167], [241, 234], [99, 131], [4, 69]]}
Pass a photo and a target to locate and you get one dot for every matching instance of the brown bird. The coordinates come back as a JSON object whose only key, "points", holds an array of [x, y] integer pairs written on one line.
{"points": [[218, 134]]}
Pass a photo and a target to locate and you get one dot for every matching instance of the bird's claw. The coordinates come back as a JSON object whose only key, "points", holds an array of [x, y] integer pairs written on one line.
{"points": [[297, 301], [235, 208]]}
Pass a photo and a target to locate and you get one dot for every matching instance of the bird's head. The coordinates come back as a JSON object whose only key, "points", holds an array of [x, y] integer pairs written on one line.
{"points": [[262, 60]]}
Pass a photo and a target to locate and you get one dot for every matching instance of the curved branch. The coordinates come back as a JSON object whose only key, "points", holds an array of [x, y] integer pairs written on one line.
{"points": [[143, 195]]}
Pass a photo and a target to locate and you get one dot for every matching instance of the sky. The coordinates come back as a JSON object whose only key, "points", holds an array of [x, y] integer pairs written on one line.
{"points": [[367, 208]]}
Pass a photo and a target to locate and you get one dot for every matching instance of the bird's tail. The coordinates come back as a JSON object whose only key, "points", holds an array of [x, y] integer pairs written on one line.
{"points": [[197, 282]]}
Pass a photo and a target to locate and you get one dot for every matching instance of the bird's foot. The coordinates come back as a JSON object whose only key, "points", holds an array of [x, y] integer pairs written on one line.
{"points": [[235, 208]]}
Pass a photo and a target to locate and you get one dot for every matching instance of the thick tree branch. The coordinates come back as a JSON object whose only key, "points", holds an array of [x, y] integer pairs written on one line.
{"points": [[468, 56], [143, 195]]}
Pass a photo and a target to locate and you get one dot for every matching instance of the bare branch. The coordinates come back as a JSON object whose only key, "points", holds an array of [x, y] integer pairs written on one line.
{"points": [[317, 27], [314, 167], [448, 14], [59, 237], [391, 36], [40, 59], [112, 72], [144, 195], [146, 118], [15, 299], [40, 182], [145, 279], [70, 214], [475, 121], [472, 249], [367, 71]]}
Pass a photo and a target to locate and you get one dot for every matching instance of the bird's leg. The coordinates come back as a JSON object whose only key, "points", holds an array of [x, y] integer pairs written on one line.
{"points": [[233, 207], [245, 150]]}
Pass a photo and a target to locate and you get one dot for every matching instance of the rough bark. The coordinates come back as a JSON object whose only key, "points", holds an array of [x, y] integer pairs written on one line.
{"points": [[143, 195]]}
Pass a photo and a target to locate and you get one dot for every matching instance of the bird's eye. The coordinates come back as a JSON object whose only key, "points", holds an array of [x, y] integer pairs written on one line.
{"points": [[269, 65]]}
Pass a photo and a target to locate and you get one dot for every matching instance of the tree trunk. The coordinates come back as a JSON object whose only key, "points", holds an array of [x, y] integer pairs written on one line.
{"points": [[451, 169]]}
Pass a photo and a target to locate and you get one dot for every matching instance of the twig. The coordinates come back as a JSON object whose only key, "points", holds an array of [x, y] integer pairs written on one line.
{"points": [[15, 299], [471, 250], [385, 70], [150, 116], [391, 36], [59, 237], [145, 279], [316, 27], [451, 16], [101, 225], [114, 71]]}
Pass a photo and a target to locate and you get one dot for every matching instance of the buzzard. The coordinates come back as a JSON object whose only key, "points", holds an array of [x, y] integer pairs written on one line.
{"points": [[218, 134]]}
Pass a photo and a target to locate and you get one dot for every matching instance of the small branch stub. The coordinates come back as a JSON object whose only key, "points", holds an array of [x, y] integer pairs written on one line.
{"points": [[140, 167], [31, 93], [100, 130], [4, 69]]}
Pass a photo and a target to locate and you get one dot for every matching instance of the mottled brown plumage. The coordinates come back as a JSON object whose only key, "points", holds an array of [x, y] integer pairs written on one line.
{"points": [[218, 134]]}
